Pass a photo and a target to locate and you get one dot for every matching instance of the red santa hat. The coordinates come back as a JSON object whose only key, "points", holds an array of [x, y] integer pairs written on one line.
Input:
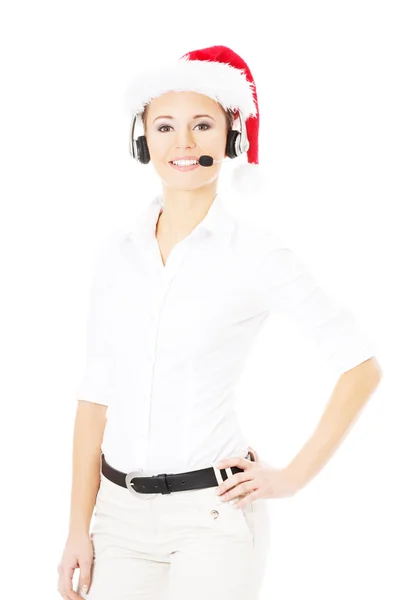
{"points": [[219, 73]]}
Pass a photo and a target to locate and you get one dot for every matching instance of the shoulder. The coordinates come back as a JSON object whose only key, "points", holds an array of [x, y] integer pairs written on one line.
{"points": [[258, 239], [107, 255], [111, 243], [270, 254]]}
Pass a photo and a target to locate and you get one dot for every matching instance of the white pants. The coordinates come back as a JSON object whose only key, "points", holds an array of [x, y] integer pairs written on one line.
{"points": [[178, 546]]}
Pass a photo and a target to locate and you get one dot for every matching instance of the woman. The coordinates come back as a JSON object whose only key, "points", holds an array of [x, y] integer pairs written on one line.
{"points": [[175, 305]]}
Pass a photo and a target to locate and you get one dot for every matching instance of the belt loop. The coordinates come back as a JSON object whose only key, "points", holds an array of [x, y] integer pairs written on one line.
{"points": [[218, 475], [162, 478]]}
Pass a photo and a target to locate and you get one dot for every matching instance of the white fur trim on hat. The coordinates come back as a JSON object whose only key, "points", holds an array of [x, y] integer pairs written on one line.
{"points": [[220, 81]]}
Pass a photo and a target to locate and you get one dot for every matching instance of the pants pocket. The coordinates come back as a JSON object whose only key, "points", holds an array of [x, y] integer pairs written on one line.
{"points": [[224, 518]]}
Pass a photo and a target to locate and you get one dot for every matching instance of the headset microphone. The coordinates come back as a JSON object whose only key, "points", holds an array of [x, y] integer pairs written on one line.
{"points": [[206, 161]]}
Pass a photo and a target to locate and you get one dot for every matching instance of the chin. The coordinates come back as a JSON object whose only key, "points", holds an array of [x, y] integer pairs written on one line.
{"points": [[179, 183], [182, 187]]}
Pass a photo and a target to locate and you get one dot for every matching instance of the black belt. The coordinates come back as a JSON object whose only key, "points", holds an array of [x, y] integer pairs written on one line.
{"points": [[164, 483]]}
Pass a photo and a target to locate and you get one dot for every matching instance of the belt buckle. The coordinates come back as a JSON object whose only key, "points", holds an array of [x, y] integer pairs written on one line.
{"points": [[162, 483], [128, 482]]}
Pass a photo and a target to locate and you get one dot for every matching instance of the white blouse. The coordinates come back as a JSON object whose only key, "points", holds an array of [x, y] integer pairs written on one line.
{"points": [[166, 345]]}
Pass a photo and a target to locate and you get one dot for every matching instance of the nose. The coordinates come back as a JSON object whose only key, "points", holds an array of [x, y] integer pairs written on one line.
{"points": [[184, 138]]}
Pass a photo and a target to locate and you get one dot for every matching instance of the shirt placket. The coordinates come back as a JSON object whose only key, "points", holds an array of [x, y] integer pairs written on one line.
{"points": [[176, 257]]}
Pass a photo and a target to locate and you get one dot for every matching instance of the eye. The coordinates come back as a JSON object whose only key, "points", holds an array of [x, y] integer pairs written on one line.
{"points": [[198, 125], [203, 125]]}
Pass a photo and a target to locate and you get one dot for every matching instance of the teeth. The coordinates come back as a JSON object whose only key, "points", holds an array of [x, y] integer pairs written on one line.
{"points": [[184, 163]]}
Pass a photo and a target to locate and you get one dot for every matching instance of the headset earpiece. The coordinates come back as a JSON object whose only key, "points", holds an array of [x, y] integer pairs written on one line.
{"points": [[138, 147], [143, 150], [232, 143]]}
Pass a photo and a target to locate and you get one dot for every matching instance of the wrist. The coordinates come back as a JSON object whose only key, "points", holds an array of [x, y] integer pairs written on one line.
{"points": [[76, 532], [78, 528], [296, 478]]}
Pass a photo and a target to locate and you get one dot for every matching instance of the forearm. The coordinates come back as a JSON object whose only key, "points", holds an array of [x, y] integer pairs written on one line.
{"points": [[349, 396], [88, 436]]}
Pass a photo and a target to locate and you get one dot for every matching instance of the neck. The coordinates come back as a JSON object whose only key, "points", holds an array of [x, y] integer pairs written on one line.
{"points": [[183, 211]]}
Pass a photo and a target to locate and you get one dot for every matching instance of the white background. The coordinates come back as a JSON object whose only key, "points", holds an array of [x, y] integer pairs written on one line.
{"points": [[327, 75]]}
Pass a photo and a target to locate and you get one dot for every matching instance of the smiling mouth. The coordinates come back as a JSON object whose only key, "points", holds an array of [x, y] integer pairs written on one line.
{"points": [[184, 167]]}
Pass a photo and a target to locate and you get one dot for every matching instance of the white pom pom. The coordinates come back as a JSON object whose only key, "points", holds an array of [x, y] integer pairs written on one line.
{"points": [[248, 179]]}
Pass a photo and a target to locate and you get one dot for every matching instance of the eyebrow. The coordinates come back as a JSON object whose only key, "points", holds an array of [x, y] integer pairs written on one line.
{"points": [[194, 117]]}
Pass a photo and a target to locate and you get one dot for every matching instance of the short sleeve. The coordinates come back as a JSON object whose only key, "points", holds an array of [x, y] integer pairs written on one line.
{"points": [[98, 379], [292, 290]]}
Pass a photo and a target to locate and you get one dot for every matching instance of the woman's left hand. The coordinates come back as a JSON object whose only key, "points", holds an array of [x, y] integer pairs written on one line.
{"points": [[258, 480]]}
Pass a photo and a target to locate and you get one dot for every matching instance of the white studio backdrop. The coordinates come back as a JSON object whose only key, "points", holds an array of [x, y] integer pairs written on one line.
{"points": [[327, 77]]}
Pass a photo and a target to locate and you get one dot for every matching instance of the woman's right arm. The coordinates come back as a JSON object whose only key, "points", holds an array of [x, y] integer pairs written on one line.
{"points": [[89, 427], [95, 393]]}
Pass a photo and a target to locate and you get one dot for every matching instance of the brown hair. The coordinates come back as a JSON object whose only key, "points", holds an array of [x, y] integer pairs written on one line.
{"points": [[229, 118]]}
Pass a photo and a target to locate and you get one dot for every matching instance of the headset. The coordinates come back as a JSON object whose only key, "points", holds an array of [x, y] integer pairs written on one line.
{"points": [[236, 143]]}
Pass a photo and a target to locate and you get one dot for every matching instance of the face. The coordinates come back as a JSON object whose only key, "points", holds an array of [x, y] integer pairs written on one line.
{"points": [[174, 130]]}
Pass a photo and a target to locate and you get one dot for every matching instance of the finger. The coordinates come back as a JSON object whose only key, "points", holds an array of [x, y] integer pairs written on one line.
{"points": [[255, 455], [74, 595], [231, 482], [241, 489], [246, 500], [84, 579], [65, 596], [64, 581], [66, 588], [63, 593], [232, 461], [71, 595]]}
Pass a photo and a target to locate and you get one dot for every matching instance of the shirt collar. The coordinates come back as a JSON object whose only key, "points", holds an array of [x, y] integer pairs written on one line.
{"points": [[218, 220]]}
